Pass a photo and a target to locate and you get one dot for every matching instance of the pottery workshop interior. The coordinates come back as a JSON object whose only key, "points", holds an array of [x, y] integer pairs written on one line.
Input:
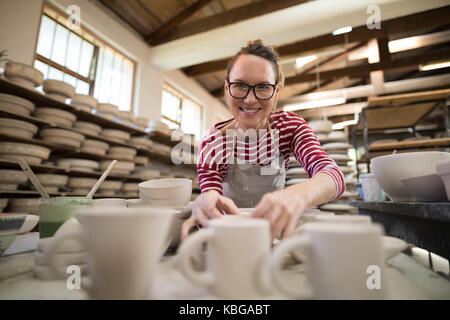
{"points": [[224, 150]]}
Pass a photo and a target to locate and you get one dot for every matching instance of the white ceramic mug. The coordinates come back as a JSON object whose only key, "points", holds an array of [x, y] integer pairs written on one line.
{"points": [[341, 258], [237, 255], [123, 245]]}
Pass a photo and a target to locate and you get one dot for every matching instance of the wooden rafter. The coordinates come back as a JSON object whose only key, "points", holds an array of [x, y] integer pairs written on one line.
{"points": [[160, 33], [427, 19]]}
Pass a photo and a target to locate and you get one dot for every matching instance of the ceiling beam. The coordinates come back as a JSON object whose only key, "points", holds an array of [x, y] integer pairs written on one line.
{"points": [[427, 19], [245, 12], [365, 69], [161, 32]]}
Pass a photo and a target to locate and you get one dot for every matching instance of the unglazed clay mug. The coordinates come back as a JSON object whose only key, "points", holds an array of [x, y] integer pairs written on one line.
{"points": [[123, 245], [237, 255], [343, 261]]}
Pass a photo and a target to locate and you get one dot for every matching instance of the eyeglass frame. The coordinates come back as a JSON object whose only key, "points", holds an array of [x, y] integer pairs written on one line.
{"points": [[253, 89]]}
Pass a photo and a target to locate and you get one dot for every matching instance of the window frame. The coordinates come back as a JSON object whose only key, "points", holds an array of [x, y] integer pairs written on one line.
{"points": [[86, 34]]}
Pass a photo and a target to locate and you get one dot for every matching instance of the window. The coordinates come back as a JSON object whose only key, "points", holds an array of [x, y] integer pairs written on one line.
{"points": [[180, 112], [84, 61]]}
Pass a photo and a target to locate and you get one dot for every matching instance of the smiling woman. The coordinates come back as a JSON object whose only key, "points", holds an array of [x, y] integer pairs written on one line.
{"points": [[260, 141]]}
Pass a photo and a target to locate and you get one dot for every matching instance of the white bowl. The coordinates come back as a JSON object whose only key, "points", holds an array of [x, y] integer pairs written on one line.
{"points": [[389, 170], [178, 200], [427, 188]]}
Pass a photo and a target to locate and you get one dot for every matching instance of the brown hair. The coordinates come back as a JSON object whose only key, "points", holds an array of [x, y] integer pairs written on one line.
{"points": [[257, 48]]}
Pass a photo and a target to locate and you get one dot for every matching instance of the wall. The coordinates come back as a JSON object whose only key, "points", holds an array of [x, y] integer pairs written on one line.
{"points": [[19, 21]]}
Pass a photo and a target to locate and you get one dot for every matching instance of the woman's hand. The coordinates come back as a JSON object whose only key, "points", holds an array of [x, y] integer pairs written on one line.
{"points": [[208, 205]]}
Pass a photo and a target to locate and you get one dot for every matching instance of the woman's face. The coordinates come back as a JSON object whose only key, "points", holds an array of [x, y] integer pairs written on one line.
{"points": [[251, 112]]}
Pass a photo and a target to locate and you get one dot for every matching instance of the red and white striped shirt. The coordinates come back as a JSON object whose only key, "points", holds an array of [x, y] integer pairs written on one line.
{"points": [[293, 136]]}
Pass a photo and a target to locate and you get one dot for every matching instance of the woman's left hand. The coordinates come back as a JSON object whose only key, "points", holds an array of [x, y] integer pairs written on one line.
{"points": [[283, 209]]}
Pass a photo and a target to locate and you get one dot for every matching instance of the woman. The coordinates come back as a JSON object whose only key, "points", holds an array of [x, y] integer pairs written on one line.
{"points": [[242, 162]]}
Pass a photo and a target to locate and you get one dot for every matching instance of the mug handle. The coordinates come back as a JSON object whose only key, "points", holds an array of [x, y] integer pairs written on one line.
{"points": [[55, 244], [187, 249], [276, 261]]}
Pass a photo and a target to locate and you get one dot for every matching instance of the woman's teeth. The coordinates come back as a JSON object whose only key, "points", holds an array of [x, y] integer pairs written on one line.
{"points": [[249, 110]]}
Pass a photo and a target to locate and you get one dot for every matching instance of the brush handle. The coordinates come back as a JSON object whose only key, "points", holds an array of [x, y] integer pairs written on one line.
{"points": [[102, 178], [34, 180]]}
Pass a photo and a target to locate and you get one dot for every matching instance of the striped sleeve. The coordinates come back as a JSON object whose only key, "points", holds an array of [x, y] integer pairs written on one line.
{"points": [[307, 150], [211, 167]]}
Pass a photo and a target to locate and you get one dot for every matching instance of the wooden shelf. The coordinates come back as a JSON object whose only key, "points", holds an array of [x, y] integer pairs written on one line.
{"points": [[425, 143]]}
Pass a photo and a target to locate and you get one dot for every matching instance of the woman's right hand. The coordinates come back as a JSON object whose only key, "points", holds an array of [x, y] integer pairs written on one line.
{"points": [[208, 205]]}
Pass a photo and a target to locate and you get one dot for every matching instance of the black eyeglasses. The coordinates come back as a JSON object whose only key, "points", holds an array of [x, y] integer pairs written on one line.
{"points": [[263, 91]]}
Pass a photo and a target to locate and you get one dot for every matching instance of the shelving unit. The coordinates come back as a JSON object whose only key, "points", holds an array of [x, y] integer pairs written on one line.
{"points": [[61, 151]]}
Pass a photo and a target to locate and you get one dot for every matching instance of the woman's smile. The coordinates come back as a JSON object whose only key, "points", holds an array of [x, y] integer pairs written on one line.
{"points": [[249, 112]]}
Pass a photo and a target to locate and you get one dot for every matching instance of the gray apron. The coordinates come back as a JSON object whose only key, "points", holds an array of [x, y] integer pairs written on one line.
{"points": [[247, 183]]}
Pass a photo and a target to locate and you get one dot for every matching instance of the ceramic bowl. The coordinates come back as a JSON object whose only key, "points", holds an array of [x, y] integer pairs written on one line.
{"points": [[92, 127], [10, 225], [141, 142], [389, 170], [79, 163], [97, 144], [23, 71], [427, 188], [24, 149], [17, 128], [120, 165], [62, 137], [52, 180], [323, 126], [141, 160], [58, 87], [115, 134], [159, 191], [108, 108], [82, 99], [83, 183], [443, 170], [111, 185], [16, 105], [57, 97], [55, 113]]}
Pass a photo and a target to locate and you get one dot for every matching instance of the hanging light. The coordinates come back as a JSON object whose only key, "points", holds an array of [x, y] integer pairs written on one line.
{"points": [[342, 30]]}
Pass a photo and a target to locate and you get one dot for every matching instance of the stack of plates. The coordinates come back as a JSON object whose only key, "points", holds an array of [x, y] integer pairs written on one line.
{"points": [[142, 122], [141, 160], [23, 75], [131, 189], [95, 147], [31, 153], [56, 116], [115, 135], [335, 146], [84, 102], [52, 182], [162, 149], [321, 126], [122, 153], [126, 117], [141, 142], [16, 105], [62, 137], [107, 111], [24, 205], [109, 188], [81, 186], [78, 164], [121, 167], [88, 128], [337, 136], [58, 90], [11, 179], [17, 128]]}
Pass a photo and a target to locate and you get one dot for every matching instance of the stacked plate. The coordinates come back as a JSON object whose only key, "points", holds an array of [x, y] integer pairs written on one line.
{"points": [[52, 182], [81, 186], [340, 159], [338, 152], [131, 189], [58, 90], [95, 147], [141, 160], [146, 173], [88, 128], [56, 116], [115, 135], [122, 153], [107, 111], [321, 126], [11, 179], [142, 122], [16, 105], [162, 149], [23, 75], [31, 153], [121, 167], [17, 128], [158, 126], [24, 205], [141, 142], [126, 117], [337, 136], [62, 137], [78, 164], [109, 188], [84, 102]]}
